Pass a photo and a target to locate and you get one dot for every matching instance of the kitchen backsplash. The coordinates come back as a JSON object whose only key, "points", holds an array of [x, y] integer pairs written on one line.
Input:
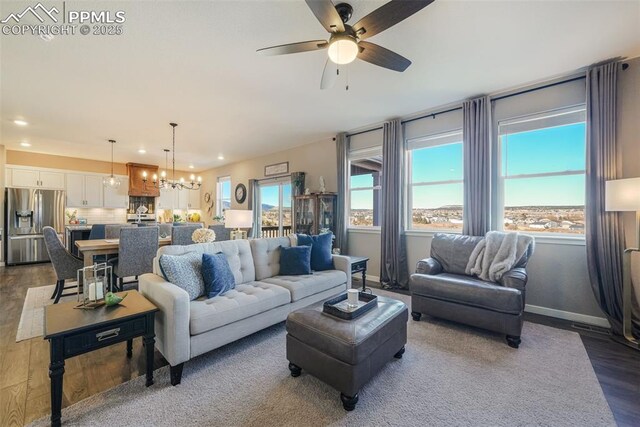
{"points": [[99, 215]]}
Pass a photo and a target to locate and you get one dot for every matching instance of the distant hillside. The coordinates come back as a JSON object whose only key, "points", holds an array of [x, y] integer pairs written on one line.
{"points": [[266, 207]]}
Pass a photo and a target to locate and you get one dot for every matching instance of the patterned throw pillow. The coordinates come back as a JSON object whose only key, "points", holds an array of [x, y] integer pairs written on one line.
{"points": [[184, 271], [217, 275], [321, 258], [295, 261]]}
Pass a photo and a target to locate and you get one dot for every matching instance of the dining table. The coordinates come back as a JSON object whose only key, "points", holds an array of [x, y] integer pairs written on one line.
{"points": [[93, 247]]}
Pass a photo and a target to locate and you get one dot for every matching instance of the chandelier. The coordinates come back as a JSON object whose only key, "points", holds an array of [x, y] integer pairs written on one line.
{"points": [[111, 181], [172, 184]]}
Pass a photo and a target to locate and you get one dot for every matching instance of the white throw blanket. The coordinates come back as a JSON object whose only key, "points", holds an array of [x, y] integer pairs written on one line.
{"points": [[496, 254]]}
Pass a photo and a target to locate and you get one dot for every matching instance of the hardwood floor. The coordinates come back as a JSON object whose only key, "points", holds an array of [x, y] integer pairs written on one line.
{"points": [[24, 379]]}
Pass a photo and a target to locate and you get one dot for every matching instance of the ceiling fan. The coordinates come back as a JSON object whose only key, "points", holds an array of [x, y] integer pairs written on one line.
{"points": [[347, 42]]}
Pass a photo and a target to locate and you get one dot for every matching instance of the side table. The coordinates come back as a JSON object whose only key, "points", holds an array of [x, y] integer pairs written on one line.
{"points": [[359, 265], [72, 332]]}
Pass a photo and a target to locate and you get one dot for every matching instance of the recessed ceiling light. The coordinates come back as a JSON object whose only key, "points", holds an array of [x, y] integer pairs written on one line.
{"points": [[20, 122], [25, 144], [142, 151], [220, 157], [191, 166]]}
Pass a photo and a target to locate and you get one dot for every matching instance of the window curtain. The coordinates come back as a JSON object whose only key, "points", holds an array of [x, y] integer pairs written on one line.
{"points": [[342, 221], [393, 265], [253, 200], [604, 230], [477, 166]]}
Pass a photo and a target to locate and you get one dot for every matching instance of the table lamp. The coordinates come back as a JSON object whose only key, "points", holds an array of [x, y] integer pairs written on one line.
{"points": [[238, 219], [623, 195]]}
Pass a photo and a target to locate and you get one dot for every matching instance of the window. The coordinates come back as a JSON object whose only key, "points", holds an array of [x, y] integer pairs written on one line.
{"points": [[365, 173], [223, 195], [275, 213], [435, 193], [542, 172]]}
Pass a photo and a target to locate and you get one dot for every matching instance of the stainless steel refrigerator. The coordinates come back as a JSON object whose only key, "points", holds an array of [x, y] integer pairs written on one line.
{"points": [[27, 212]]}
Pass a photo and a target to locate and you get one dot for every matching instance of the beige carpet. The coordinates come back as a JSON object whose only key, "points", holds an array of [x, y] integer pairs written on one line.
{"points": [[32, 318], [449, 376]]}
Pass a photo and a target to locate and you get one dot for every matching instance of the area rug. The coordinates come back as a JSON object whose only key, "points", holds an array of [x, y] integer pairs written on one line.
{"points": [[32, 318], [450, 375]]}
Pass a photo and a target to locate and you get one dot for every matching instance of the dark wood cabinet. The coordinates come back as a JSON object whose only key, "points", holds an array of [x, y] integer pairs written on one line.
{"points": [[137, 186], [315, 212]]}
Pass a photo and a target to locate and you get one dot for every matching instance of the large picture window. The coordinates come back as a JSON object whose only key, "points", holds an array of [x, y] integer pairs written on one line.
{"points": [[435, 193], [542, 172], [365, 174], [223, 195]]}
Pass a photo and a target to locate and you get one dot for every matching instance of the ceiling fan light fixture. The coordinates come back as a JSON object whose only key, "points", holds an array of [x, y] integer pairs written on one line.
{"points": [[343, 49]]}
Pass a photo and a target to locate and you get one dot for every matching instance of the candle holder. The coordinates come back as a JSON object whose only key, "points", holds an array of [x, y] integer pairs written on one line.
{"points": [[96, 283]]}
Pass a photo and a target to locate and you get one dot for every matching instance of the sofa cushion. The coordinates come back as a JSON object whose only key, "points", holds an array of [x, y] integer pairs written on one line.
{"points": [[237, 252], [309, 284], [469, 291], [320, 250], [246, 300], [452, 251], [216, 274], [184, 271], [295, 261], [266, 255]]}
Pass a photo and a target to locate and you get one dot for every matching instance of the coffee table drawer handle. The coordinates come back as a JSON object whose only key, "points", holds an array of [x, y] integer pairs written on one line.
{"points": [[111, 333]]}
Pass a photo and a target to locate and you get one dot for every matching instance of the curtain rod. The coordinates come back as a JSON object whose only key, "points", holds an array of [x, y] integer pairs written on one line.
{"points": [[522, 92]]}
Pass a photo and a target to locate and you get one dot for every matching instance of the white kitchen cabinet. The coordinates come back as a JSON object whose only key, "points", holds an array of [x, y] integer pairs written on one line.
{"points": [[33, 178], [117, 197], [84, 191], [165, 201], [181, 200], [194, 199]]}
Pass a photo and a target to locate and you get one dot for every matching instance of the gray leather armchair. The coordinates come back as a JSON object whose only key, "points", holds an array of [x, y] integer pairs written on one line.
{"points": [[440, 288]]}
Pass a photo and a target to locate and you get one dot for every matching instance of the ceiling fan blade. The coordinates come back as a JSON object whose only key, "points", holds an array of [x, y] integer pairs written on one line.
{"points": [[284, 49], [387, 16], [327, 14], [329, 75], [382, 57]]}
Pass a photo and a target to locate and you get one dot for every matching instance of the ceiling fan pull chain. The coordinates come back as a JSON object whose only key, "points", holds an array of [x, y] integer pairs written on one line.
{"points": [[347, 87]]}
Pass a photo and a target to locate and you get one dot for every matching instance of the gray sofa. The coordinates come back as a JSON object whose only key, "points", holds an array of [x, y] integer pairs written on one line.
{"points": [[261, 298], [440, 288]]}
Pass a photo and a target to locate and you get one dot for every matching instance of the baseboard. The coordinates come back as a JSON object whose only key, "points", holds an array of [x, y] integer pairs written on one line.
{"points": [[568, 315]]}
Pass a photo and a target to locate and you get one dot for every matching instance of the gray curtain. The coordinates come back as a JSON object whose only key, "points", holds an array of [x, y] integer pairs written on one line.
{"points": [[253, 200], [604, 231], [477, 166], [342, 221], [393, 258]]}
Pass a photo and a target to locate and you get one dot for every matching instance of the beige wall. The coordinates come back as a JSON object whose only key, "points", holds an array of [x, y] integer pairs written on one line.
{"points": [[2, 186], [629, 140], [316, 159], [25, 158]]}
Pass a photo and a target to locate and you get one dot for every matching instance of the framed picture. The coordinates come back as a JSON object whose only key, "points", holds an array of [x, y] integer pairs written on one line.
{"points": [[276, 169]]}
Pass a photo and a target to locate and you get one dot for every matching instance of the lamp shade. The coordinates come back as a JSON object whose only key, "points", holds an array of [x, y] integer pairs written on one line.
{"points": [[238, 219], [622, 195]]}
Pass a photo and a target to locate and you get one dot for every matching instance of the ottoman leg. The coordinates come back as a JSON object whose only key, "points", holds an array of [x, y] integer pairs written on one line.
{"points": [[416, 316], [349, 403], [513, 341], [295, 370], [399, 354]]}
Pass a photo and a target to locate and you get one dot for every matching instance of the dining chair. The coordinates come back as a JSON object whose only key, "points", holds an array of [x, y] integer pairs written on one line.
{"points": [[222, 233], [98, 232], [165, 229], [182, 235], [65, 264], [136, 250], [112, 231]]}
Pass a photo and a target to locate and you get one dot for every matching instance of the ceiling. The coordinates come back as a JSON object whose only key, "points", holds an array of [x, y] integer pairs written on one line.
{"points": [[195, 63]]}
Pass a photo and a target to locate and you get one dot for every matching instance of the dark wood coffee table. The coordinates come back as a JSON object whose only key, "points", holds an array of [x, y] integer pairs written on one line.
{"points": [[72, 332]]}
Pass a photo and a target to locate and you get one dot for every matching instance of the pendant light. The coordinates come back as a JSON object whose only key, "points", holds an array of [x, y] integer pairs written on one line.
{"points": [[111, 181]]}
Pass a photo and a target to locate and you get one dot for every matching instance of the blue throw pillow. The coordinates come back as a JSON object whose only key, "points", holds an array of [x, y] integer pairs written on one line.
{"points": [[321, 258], [295, 261], [216, 274]]}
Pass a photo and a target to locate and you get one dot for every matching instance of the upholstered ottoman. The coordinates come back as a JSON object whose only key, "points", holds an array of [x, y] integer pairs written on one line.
{"points": [[346, 353]]}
